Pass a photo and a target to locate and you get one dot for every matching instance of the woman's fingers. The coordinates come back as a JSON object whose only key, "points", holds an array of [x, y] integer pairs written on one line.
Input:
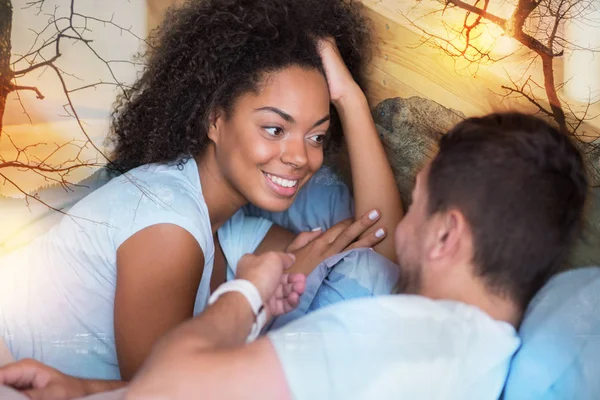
{"points": [[339, 78], [370, 240], [303, 239], [332, 233], [344, 233], [349, 235]]}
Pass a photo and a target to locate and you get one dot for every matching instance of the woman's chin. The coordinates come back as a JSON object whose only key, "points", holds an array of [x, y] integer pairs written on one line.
{"points": [[273, 204]]}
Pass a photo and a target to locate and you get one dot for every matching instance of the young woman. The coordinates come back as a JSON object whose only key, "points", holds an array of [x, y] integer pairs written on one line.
{"points": [[232, 108]]}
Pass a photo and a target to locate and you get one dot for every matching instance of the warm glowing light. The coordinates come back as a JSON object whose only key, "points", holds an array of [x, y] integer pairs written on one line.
{"points": [[582, 64], [41, 142], [504, 45], [495, 41]]}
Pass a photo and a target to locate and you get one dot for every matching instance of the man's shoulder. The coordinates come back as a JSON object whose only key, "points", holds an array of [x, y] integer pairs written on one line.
{"points": [[391, 346], [404, 326], [391, 310]]}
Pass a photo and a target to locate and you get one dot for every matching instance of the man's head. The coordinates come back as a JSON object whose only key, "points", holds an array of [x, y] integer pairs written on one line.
{"points": [[501, 202]]}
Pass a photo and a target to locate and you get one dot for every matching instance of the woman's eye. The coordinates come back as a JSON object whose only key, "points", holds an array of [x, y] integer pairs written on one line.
{"points": [[318, 138], [274, 130]]}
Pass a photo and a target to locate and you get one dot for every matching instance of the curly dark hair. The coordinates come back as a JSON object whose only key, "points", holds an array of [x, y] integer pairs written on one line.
{"points": [[209, 52]]}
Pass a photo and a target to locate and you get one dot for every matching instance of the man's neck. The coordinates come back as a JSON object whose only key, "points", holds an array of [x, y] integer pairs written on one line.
{"points": [[497, 307], [472, 290]]}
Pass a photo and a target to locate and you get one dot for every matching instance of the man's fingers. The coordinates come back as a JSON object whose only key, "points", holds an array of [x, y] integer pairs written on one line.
{"points": [[288, 260], [352, 232], [278, 294], [297, 277], [299, 287], [370, 240], [285, 290], [293, 278], [294, 283], [291, 302]]}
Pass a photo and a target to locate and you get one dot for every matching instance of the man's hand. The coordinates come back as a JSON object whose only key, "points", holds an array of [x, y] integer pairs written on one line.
{"points": [[311, 248], [40, 382], [280, 291], [287, 295]]}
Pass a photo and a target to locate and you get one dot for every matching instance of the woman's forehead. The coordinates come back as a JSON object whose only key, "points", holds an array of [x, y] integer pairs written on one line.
{"points": [[295, 90]]}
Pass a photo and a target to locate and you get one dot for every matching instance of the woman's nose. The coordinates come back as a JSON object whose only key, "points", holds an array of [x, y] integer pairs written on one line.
{"points": [[294, 152]]}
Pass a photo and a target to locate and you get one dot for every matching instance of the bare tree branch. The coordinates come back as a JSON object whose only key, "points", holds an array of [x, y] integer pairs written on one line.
{"points": [[33, 88], [536, 25], [64, 26], [37, 198], [481, 12], [38, 3]]}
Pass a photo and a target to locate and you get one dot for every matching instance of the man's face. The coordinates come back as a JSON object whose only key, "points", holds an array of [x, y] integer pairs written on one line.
{"points": [[410, 235]]}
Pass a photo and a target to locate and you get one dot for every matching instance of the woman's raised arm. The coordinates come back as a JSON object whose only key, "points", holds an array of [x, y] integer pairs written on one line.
{"points": [[372, 177]]}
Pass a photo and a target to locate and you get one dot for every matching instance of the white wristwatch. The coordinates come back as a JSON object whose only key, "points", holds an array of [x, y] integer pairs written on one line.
{"points": [[252, 295]]}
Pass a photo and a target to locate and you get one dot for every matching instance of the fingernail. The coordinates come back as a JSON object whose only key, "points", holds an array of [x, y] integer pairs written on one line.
{"points": [[380, 232], [373, 215], [317, 229]]}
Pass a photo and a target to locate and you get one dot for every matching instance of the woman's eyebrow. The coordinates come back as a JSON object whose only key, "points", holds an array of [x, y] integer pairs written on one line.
{"points": [[321, 121], [289, 118], [279, 112]]}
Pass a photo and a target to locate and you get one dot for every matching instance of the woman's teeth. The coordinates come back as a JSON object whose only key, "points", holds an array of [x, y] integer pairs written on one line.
{"points": [[281, 181]]}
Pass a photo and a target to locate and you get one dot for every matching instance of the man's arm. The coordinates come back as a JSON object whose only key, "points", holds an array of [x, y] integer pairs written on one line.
{"points": [[207, 356], [194, 358]]}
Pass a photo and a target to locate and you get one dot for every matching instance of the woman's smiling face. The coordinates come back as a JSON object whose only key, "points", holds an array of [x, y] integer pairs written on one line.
{"points": [[272, 141]]}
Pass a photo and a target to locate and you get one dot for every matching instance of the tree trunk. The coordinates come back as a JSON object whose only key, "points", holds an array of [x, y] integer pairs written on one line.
{"points": [[549, 85], [6, 14]]}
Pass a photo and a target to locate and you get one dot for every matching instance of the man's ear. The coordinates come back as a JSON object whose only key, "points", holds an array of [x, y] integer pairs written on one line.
{"points": [[214, 125], [448, 234]]}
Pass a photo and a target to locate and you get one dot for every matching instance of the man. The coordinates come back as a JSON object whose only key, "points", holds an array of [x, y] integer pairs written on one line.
{"points": [[492, 218]]}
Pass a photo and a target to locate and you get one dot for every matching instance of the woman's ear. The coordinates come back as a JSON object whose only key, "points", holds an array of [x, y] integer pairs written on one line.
{"points": [[214, 125]]}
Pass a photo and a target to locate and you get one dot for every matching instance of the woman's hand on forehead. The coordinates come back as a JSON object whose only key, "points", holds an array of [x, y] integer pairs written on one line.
{"points": [[340, 80]]}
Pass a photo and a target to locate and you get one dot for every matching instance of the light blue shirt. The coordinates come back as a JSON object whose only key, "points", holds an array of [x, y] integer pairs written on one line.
{"points": [[57, 294], [395, 347]]}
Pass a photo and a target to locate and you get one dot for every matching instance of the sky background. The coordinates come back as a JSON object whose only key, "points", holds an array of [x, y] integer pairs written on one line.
{"points": [[48, 122]]}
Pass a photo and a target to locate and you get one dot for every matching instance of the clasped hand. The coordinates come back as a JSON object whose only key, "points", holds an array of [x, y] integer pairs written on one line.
{"points": [[281, 277]]}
